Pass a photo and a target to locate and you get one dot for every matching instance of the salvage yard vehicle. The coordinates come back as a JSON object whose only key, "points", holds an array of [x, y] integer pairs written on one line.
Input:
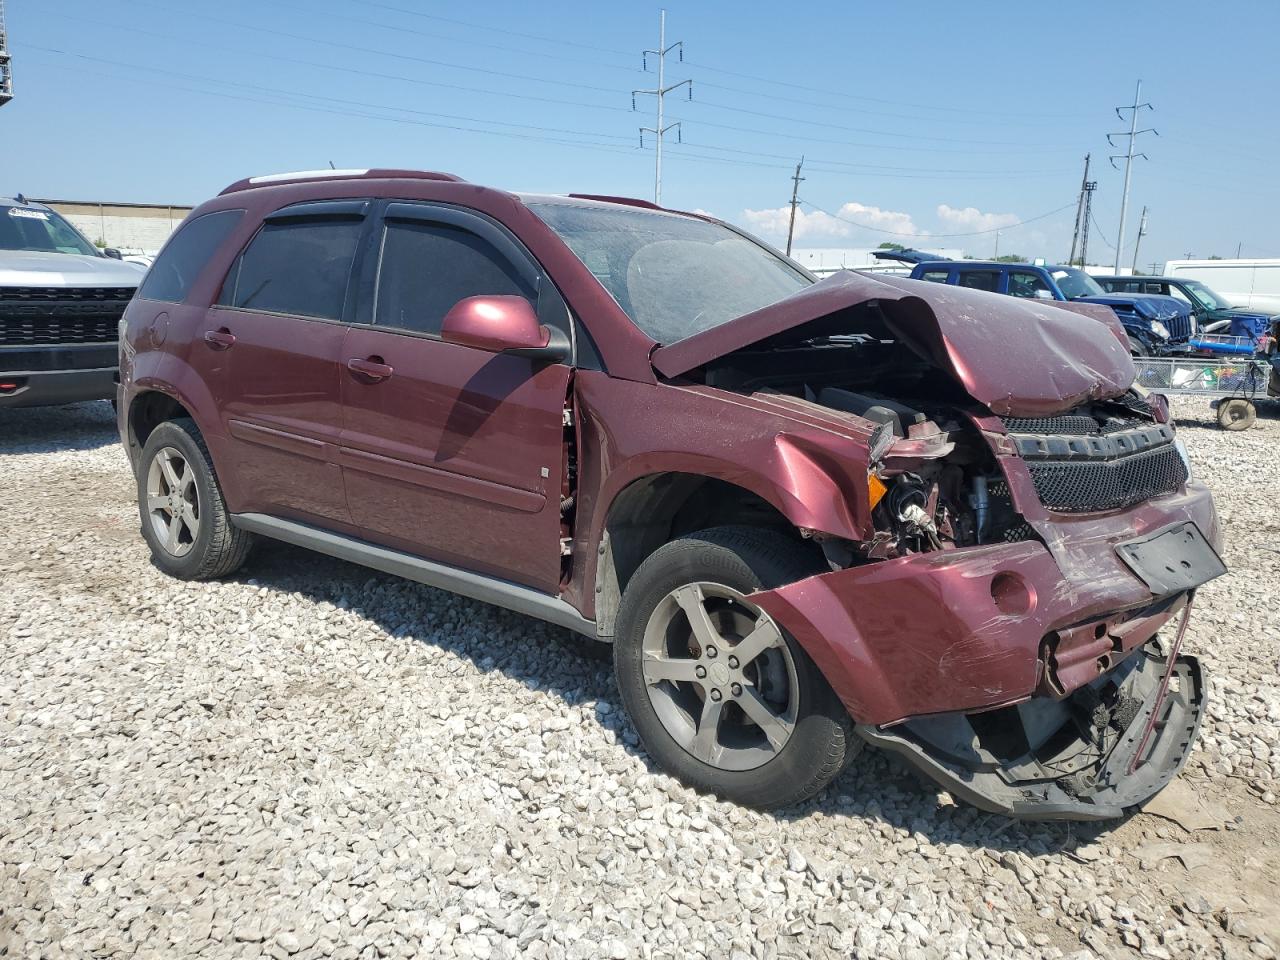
{"points": [[1212, 311], [1154, 325], [808, 515], [61, 300]]}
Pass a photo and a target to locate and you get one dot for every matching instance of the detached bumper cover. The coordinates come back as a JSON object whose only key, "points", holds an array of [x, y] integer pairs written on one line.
{"points": [[1078, 752]]}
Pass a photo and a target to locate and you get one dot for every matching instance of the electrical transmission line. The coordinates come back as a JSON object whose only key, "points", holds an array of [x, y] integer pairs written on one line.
{"points": [[1133, 135], [660, 93]]}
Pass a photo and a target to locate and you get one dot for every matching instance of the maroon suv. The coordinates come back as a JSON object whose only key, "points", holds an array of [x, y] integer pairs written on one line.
{"points": [[808, 515]]}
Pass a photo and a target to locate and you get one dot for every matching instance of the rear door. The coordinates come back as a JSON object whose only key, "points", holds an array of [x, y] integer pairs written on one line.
{"points": [[279, 325], [455, 454]]}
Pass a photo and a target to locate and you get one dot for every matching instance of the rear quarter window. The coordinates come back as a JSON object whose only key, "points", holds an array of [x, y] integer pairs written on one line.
{"points": [[184, 256], [935, 276]]}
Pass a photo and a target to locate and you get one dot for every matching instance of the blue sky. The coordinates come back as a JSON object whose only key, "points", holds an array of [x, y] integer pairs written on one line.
{"points": [[914, 118]]}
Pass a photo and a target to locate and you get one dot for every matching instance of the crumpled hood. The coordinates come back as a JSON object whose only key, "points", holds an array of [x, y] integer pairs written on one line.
{"points": [[1018, 357], [28, 268], [1153, 306]]}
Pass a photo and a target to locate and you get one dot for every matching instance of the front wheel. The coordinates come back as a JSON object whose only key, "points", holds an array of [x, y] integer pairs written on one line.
{"points": [[722, 697]]}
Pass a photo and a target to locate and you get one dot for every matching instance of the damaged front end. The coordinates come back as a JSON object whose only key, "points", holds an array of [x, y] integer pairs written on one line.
{"points": [[1109, 746], [1029, 527]]}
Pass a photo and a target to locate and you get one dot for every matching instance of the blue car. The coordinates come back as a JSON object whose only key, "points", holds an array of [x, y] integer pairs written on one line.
{"points": [[1155, 324]]}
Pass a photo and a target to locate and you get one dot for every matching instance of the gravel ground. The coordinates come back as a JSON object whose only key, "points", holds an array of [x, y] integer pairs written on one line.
{"points": [[309, 760]]}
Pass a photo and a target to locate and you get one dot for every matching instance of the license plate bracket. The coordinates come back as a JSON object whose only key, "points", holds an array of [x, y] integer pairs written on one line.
{"points": [[1172, 560]]}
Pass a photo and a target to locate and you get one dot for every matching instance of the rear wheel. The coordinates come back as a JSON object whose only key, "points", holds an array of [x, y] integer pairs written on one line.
{"points": [[184, 519], [722, 697]]}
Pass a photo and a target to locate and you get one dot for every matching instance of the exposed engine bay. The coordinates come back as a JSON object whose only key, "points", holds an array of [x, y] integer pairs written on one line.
{"points": [[935, 483]]}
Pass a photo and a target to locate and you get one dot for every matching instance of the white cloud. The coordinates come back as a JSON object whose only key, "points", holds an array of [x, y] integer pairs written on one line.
{"points": [[971, 218], [816, 225]]}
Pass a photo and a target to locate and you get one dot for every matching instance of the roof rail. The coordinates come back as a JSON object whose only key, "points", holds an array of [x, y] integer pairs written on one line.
{"points": [[299, 176], [629, 201]]}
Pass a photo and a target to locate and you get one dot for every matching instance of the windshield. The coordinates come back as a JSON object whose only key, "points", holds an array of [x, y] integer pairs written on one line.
{"points": [[1076, 283], [674, 276], [1208, 299], [28, 228]]}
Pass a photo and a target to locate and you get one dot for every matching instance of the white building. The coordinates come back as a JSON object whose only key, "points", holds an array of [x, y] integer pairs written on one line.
{"points": [[129, 227]]}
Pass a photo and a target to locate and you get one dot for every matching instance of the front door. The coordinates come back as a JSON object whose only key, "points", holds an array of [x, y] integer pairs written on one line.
{"points": [[447, 451], [279, 325]]}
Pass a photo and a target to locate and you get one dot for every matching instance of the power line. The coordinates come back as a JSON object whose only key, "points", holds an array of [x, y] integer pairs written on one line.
{"points": [[935, 236]]}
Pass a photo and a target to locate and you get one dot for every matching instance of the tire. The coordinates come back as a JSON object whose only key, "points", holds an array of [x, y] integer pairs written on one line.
{"points": [[214, 548], [1236, 414], [713, 570]]}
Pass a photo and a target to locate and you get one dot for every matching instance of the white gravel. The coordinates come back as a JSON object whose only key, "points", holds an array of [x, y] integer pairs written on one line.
{"points": [[310, 760]]}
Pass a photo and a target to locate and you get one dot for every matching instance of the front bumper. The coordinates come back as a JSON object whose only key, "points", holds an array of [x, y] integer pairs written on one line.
{"points": [[1012, 630], [1069, 759]]}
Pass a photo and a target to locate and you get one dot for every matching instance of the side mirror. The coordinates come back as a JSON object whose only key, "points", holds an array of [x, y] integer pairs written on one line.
{"points": [[113, 253], [1042, 294], [502, 325]]}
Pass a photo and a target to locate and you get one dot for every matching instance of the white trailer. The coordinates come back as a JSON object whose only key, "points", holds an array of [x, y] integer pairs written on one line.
{"points": [[1254, 284]]}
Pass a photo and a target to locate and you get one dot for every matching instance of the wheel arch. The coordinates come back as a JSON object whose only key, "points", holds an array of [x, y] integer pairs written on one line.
{"points": [[656, 508]]}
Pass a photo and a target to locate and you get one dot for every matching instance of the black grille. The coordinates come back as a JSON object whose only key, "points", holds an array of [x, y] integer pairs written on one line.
{"points": [[56, 315], [1078, 487], [1105, 457]]}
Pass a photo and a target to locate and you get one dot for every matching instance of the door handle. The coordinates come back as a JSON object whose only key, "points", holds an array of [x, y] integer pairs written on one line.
{"points": [[222, 339], [373, 369]]}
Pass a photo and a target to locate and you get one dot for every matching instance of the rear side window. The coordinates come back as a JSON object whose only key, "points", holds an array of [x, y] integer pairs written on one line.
{"points": [[935, 276], [299, 267], [428, 267], [979, 279], [184, 256]]}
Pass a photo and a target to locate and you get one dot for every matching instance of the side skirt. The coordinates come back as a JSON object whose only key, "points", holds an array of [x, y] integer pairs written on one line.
{"points": [[501, 593]]}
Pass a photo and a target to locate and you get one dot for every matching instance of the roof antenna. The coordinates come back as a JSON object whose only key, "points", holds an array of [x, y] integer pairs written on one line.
{"points": [[331, 166]]}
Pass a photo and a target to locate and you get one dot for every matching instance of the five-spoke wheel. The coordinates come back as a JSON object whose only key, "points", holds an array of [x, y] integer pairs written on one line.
{"points": [[720, 676], [173, 501], [721, 695]]}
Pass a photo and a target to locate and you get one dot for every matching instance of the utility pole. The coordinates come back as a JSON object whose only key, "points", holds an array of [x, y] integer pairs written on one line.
{"points": [[996, 255], [660, 92], [6, 73], [1154, 265], [1239, 247], [795, 190], [1089, 187], [1142, 232], [1075, 234], [1133, 135]]}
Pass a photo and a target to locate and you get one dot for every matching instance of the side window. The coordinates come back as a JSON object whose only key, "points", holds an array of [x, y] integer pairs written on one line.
{"points": [[185, 255], [1030, 285], [935, 276], [979, 279], [299, 267], [1168, 291], [427, 267]]}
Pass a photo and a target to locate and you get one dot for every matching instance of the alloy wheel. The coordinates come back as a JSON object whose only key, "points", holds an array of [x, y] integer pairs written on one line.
{"points": [[720, 676], [173, 501]]}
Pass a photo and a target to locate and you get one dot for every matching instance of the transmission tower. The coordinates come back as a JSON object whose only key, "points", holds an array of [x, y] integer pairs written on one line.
{"points": [[1089, 187], [1075, 234], [660, 93], [1133, 135], [795, 200], [6, 72]]}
